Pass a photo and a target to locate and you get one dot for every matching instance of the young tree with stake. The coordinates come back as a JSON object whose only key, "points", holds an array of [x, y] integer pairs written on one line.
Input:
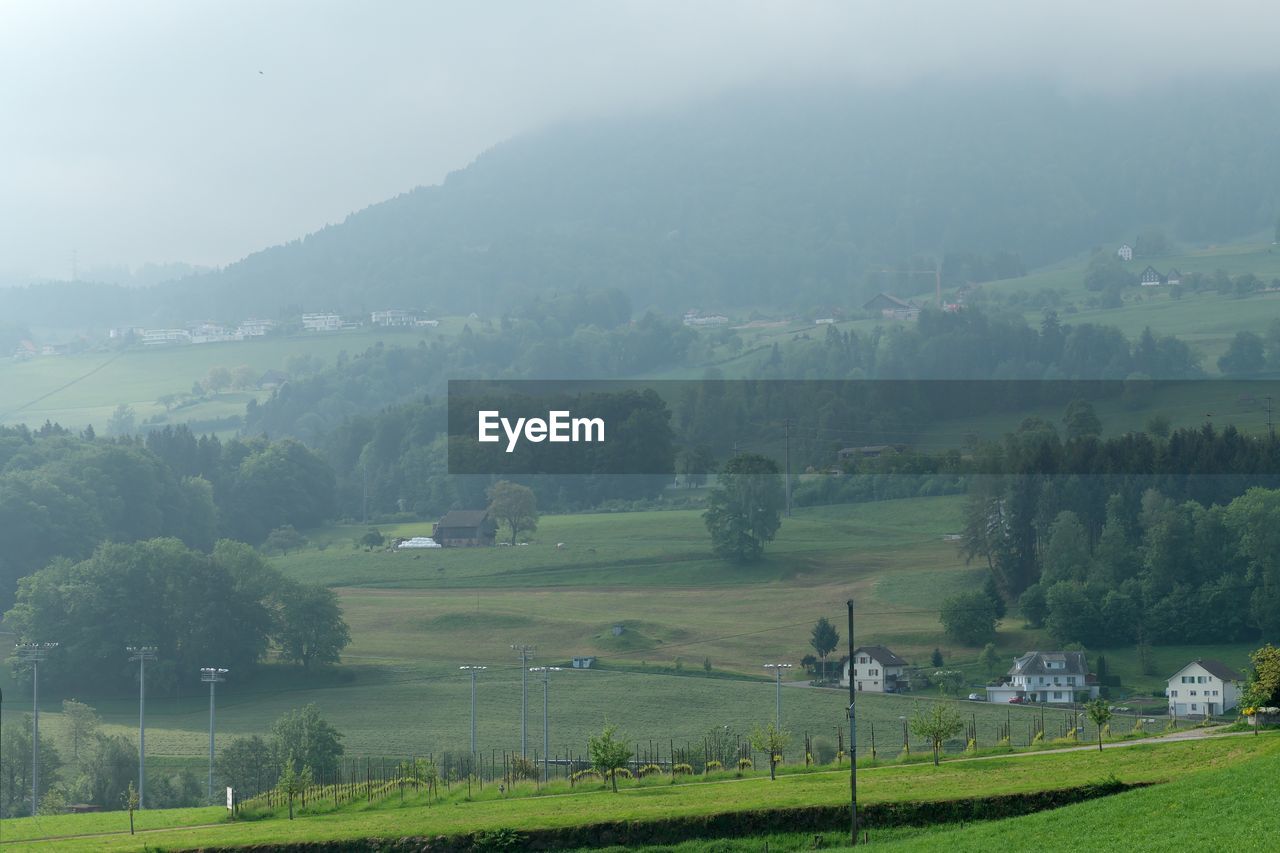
{"points": [[936, 725], [1099, 714], [824, 640], [609, 754]]}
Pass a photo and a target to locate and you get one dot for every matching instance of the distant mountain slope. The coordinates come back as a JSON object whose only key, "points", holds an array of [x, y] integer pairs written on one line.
{"points": [[782, 198]]}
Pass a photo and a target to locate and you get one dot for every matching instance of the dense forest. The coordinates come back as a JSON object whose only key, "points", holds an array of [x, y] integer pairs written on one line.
{"points": [[61, 494]]}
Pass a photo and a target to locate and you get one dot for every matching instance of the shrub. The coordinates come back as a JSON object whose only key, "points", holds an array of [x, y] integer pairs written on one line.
{"points": [[681, 769], [745, 764], [713, 765], [584, 775], [649, 770]]}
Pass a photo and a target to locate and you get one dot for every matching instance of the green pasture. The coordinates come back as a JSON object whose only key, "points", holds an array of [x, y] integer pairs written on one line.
{"points": [[78, 390]]}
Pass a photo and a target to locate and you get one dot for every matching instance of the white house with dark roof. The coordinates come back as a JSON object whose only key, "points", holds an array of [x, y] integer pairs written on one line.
{"points": [[1203, 688], [874, 669], [1048, 677], [1125, 252], [1150, 277]]}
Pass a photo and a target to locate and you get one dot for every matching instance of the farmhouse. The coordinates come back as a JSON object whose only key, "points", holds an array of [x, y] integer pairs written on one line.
{"points": [[874, 669], [1151, 278], [1125, 252], [892, 308], [464, 528], [1174, 277], [1052, 677], [1203, 688]]}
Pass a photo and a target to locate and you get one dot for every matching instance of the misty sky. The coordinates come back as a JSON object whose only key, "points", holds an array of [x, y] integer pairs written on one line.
{"points": [[198, 132]]}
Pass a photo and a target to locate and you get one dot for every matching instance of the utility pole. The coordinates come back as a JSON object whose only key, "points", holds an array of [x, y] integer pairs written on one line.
{"points": [[211, 675], [474, 671], [777, 669], [33, 653], [1271, 429], [524, 651], [787, 481], [142, 654], [546, 726], [853, 740]]}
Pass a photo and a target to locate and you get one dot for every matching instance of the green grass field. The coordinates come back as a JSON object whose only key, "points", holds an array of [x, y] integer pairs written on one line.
{"points": [[415, 617], [1189, 764], [79, 390]]}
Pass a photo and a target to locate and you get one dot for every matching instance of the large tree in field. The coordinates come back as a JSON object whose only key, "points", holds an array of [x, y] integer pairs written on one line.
{"points": [[744, 510], [312, 630], [824, 640], [969, 618], [513, 505]]}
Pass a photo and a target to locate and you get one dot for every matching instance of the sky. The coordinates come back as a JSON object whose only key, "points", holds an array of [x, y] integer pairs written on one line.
{"points": [[198, 131]]}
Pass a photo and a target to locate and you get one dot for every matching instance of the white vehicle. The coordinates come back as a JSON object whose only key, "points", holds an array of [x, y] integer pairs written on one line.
{"points": [[977, 697]]}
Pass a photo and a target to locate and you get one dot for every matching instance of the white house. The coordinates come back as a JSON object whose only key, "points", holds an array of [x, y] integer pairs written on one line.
{"points": [[875, 669], [1125, 252], [1150, 277], [1050, 677], [161, 337], [391, 317], [1203, 688], [321, 322], [254, 328]]}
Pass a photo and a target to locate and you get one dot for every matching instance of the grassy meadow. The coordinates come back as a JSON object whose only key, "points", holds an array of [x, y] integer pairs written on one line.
{"points": [[1191, 765]]}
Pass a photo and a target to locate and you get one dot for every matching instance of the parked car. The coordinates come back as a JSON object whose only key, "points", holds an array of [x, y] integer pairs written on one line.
{"points": [[1018, 700], [977, 697]]}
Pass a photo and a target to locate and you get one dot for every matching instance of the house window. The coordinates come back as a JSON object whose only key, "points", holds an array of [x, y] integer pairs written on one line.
{"points": [[1071, 679], [1057, 694], [1201, 679], [1193, 706], [1193, 693], [1173, 692]]}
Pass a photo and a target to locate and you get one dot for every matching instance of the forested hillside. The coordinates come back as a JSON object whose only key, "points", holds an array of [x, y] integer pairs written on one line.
{"points": [[767, 198], [784, 197]]}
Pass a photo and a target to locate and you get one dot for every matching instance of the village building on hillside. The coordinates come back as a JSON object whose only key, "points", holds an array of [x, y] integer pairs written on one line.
{"points": [[392, 318], [1150, 278], [1049, 677], [892, 308], [1203, 688], [695, 318], [869, 451], [461, 528], [1173, 277], [165, 337], [874, 669], [1125, 252], [321, 322], [254, 328]]}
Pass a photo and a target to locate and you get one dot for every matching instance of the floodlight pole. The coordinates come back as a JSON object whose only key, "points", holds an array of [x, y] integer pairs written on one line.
{"points": [[524, 652], [474, 671], [546, 725], [142, 654], [778, 668], [212, 675], [34, 653], [853, 739]]}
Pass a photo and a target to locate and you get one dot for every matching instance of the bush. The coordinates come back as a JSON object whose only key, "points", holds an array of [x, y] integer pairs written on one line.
{"points": [[712, 766], [681, 769], [649, 770], [745, 764]]}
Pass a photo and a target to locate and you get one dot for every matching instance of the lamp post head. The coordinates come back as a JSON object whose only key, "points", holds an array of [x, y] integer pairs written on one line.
{"points": [[34, 652], [472, 667], [212, 674], [143, 653]]}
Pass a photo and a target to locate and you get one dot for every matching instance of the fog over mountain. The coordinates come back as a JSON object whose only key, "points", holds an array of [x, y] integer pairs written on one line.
{"points": [[200, 133]]}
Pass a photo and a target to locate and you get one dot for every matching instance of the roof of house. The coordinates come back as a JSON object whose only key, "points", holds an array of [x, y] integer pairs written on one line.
{"points": [[1150, 269], [464, 518], [880, 655], [1216, 668], [1037, 663], [893, 300]]}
